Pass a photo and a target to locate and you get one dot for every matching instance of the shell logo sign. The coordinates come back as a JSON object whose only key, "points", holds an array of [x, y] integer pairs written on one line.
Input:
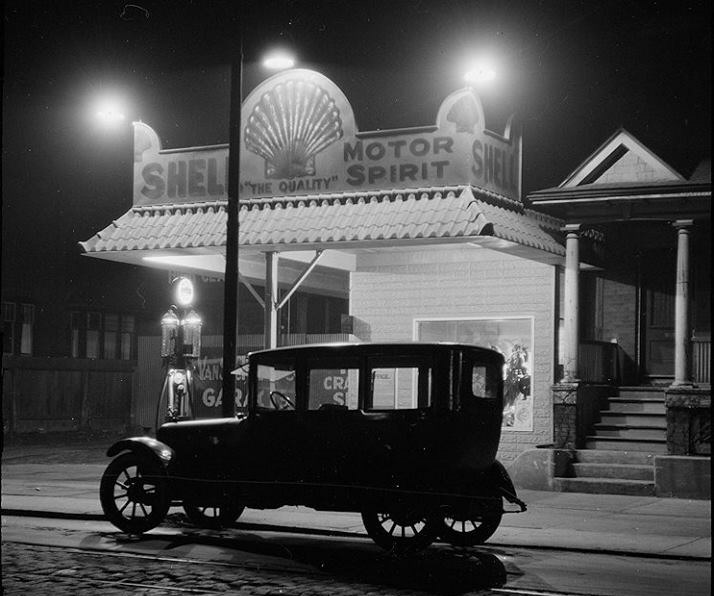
{"points": [[299, 136]]}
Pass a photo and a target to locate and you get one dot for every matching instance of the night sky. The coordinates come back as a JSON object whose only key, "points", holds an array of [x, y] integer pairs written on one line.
{"points": [[574, 72]]}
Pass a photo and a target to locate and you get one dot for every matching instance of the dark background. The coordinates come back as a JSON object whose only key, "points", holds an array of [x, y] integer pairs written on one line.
{"points": [[573, 71]]}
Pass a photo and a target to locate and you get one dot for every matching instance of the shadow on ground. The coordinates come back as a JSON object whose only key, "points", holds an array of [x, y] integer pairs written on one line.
{"points": [[439, 569]]}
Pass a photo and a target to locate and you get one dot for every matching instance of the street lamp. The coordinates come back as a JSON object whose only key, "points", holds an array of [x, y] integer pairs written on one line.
{"points": [[482, 72], [279, 60]]}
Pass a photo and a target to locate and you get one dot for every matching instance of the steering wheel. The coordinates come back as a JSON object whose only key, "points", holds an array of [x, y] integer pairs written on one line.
{"points": [[288, 402]]}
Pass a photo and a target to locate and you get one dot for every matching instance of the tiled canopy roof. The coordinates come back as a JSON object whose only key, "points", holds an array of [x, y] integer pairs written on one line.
{"points": [[365, 218]]}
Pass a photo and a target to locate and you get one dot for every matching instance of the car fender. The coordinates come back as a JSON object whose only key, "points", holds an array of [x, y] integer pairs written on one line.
{"points": [[503, 482], [145, 446]]}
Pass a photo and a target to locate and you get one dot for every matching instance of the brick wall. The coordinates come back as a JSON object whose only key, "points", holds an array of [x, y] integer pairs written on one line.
{"points": [[390, 290]]}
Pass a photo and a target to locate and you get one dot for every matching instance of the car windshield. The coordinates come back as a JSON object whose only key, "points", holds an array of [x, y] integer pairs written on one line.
{"points": [[276, 386]]}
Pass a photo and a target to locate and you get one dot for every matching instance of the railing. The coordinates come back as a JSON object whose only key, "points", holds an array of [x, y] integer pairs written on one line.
{"points": [[701, 358], [598, 362]]}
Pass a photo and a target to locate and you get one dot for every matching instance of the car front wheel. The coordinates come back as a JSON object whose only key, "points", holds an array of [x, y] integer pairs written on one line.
{"points": [[134, 493]]}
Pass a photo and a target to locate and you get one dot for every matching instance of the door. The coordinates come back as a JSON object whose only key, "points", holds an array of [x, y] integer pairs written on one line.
{"points": [[658, 268]]}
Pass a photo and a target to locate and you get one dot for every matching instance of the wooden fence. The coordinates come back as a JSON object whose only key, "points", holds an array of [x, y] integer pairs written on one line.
{"points": [[61, 394]]}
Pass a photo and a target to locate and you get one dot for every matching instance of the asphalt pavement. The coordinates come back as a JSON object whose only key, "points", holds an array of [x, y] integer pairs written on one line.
{"points": [[43, 478]]}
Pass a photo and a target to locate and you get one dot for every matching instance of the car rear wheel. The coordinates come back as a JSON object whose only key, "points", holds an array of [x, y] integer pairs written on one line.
{"points": [[462, 528], [402, 530], [134, 493], [213, 516]]}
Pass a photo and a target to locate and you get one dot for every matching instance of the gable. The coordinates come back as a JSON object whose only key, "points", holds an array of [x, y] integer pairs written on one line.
{"points": [[622, 160]]}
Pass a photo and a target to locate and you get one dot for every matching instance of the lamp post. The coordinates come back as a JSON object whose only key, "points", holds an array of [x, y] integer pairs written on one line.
{"points": [[230, 295], [278, 60]]}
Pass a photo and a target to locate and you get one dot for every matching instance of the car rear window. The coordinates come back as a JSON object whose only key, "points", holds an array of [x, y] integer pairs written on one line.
{"points": [[484, 382]]}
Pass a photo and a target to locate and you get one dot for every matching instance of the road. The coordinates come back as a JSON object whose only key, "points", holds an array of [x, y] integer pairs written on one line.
{"points": [[66, 556]]}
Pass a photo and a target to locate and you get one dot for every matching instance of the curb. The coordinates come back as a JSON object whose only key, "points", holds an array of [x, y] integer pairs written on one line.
{"points": [[344, 534]]}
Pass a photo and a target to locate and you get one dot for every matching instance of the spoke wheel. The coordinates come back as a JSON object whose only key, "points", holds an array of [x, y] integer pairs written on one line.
{"points": [[134, 493], [468, 529], [400, 531], [213, 516]]}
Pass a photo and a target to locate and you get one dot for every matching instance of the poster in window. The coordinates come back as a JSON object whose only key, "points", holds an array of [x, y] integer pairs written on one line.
{"points": [[512, 337]]}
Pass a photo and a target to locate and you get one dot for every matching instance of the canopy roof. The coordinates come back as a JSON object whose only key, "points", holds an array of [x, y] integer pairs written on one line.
{"points": [[342, 221]]}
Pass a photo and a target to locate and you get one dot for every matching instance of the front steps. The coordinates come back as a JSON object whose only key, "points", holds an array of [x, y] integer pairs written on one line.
{"points": [[610, 472], [619, 454]]}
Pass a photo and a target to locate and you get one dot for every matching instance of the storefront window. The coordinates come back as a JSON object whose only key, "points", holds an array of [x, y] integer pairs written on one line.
{"points": [[512, 337]]}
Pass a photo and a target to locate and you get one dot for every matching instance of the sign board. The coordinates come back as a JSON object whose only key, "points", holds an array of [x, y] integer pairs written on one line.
{"points": [[208, 385], [299, 136]]}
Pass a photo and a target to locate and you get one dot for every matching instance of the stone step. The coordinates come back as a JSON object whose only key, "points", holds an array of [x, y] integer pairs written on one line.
{"points": [[624, 444], [614, 471], [633, 418], [641, 392], [646, 406], [601, 456], [625, 431], [606, 486]]}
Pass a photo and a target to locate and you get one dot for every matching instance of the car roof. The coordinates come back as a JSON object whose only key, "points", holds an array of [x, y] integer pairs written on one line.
{"points": [[367, 348]]}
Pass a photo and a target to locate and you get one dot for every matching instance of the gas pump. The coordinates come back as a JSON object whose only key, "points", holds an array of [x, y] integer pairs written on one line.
{"points": [[180, 347]]}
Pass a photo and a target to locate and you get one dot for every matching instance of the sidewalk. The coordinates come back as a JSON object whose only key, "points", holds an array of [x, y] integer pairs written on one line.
{"points": [[646, 526]]}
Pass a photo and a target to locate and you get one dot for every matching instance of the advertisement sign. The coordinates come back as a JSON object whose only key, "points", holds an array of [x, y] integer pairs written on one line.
{"points": [[207, 378], [512, 337], [299, 136]]}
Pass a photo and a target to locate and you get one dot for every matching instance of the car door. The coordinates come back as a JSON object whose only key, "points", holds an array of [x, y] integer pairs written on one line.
{"points": [[330, 421], [274, 453]]}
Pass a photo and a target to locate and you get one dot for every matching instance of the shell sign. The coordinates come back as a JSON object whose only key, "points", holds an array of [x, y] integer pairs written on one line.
{"points": [[299, 136]]}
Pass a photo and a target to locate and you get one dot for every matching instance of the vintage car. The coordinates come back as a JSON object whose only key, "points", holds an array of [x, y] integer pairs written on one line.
{"points": [[405, 434]]}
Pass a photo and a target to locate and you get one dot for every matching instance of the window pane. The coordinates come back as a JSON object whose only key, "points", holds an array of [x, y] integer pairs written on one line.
{"points": [[128, 323], [278, 380], [75, 343], [126, 343], [397, 388], [28, 313], [76, 320], [92, 344], [333, 387], [26, 339], [93, 320], [110, 345], [8, 337], [111, 322], [8, 311]]}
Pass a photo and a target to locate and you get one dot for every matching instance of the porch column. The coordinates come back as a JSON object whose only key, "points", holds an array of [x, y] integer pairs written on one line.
{"points": [[571, 314], [681, 305], [270, 325]]}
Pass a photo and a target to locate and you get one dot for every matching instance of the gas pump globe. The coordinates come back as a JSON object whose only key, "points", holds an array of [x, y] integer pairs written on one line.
{"points": [[180, 345], [191, 326], [169, 333]]}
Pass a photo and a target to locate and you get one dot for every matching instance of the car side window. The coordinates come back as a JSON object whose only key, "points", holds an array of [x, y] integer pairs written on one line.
{"points": [[399, 387], [275, 386], [333, 388]]}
